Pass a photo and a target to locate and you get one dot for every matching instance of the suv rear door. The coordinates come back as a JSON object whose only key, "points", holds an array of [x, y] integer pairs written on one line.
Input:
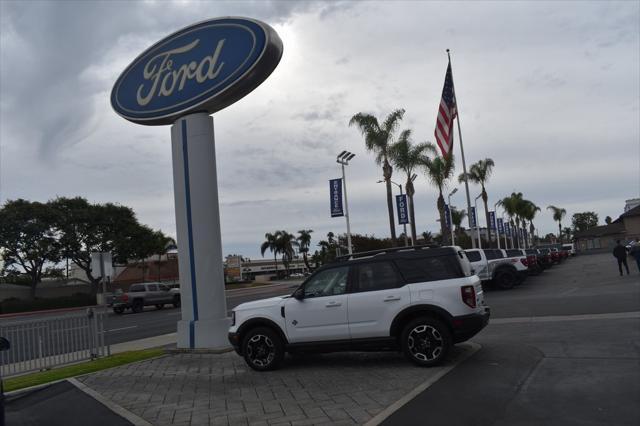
{"points": [[322, 314], [378, 295]]}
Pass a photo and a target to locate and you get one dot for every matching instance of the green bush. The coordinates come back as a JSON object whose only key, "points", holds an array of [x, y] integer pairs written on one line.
{"points": [[14, 305]]}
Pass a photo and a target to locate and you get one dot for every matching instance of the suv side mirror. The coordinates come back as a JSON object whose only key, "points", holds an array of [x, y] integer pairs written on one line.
{"points": [[299, 293], [4, 344]]}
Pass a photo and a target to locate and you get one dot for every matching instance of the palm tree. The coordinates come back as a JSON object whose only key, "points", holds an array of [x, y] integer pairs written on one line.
{"points": [[439, 171], [558, 214], [378, 138], [271, 244], [285, 243], [479, 173], [428, 236], [457, 216], [304, 241], [529, 213], [567, 232], [513, 206], [407, 158]]}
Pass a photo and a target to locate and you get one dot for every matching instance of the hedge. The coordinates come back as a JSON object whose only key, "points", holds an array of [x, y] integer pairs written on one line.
{"points": [[14, 305]]}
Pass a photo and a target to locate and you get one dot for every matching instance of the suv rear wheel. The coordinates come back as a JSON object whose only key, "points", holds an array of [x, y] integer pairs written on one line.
{"points": [[426, 341], [137, 306], [506, 279], [263, 349]]}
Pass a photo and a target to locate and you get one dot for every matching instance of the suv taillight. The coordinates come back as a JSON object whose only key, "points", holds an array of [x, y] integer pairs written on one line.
{"points": [[125, 297], [524, 262], [468, 293]]}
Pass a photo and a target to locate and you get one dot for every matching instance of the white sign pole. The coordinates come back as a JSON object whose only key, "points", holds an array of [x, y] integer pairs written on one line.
{"points": [[204, 322]]}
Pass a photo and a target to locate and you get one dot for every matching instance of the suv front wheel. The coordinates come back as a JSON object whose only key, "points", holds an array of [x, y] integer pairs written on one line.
{"points": [[263, 349], [426, 341]]}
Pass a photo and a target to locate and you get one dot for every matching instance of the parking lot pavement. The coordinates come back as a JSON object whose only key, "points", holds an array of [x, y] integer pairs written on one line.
{"points": [[201, 389]]}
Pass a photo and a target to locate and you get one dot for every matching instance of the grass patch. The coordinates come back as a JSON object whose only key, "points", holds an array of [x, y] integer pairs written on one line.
{"points": [[43, 377]]}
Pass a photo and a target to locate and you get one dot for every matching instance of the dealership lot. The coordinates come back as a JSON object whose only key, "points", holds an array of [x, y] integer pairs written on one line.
{"points": [[562, 348]]}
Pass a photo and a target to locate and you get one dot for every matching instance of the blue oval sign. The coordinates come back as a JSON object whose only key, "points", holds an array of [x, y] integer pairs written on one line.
{"points": [[204, 67]]}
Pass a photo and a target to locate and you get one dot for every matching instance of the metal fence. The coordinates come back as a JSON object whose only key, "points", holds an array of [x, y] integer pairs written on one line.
{"points": [[40, 344]]}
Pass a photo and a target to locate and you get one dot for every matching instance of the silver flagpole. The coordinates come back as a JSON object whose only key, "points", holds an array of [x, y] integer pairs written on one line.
{"points": [[464, 164]]}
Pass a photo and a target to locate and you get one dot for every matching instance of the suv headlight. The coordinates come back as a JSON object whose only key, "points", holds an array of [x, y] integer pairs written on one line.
{"points": [[233, 318]]}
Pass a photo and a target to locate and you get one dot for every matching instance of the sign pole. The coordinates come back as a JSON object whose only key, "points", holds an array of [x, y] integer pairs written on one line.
{"points": [[406, 239], [346, 209], [204, 322]]}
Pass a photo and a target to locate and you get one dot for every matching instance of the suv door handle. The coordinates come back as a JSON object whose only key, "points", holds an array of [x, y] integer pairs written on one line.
{"points": [[391, 298], [333, 304]]}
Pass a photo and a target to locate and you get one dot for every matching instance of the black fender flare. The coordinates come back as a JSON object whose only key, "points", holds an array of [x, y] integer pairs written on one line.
{"points": [[423, 309], [261, 322]]}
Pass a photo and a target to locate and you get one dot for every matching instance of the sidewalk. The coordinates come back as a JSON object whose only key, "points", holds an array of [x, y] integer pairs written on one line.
{"points": [[209, 389]]}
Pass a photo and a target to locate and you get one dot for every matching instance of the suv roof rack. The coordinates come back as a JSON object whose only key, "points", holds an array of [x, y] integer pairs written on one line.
{"points": [[372, 253]]}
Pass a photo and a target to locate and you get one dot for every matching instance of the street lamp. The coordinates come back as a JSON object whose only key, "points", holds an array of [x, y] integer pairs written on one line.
{"points": [[453, 239], [343, 159], [406, 240], [475, 203], [495, 215]]}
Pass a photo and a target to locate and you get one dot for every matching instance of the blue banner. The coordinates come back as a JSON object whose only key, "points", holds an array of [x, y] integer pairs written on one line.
{"points": [[492, 221], [507, 229], [335, 191], [500, 226], [403, 214], [447, 216], [472, 216]]}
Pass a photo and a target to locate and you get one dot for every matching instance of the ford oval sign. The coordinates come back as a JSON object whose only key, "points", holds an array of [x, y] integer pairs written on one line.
{"points": [[204, 67]]}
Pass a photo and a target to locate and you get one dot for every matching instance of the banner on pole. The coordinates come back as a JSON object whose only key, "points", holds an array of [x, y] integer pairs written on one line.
{"points": [[401, 203], [472, 216], [507, 229], [500, 226], [492, 220], [447, 216], [335, 191]]}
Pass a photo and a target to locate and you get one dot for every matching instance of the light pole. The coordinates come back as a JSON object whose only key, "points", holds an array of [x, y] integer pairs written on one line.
{"points": [[504, 232], [453, 239], [406, 240], [343, 159], [495, 215], [475, 204]]}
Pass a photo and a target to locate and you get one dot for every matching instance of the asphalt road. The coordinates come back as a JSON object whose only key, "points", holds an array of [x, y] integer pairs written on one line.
{"points": [[562, 349]]}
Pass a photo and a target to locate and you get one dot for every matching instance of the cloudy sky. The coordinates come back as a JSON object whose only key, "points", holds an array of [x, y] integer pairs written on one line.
{"points": [[549, 90]]}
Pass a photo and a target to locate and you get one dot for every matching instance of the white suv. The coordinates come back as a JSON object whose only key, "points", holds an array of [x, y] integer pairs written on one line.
{"points": [[420, 300]]}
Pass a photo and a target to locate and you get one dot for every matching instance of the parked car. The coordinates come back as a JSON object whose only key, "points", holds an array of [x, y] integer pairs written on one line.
{"points": [[144, 294], [519, 260], [543, 260], [418, 300], [493, 268], [570, 247], [531, 260]]}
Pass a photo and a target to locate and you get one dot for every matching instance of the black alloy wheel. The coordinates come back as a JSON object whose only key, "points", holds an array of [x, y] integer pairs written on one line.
{"points": [[263, 349], [137, 306], [506, 280], [426, 341]]}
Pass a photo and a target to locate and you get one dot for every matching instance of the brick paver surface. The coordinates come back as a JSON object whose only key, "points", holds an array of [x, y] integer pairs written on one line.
{"points": [[208, 389]]}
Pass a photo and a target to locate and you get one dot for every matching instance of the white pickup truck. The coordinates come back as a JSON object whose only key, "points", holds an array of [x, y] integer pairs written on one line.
{"points": [[491, 266]]}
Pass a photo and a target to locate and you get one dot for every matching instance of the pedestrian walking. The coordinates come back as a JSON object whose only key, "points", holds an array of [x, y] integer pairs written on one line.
{"points": [[635, 252], [620, 253]]}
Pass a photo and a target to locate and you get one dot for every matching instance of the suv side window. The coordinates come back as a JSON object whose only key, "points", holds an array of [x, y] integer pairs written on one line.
{"points": [[153, 287], [330, 282], [376, 276], [473, 256], [163, 287], [514, 252], [136, 288], [430, 269]]}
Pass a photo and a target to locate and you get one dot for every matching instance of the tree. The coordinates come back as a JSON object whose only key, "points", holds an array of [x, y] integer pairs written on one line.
{"points": [[608, 220], [584, 221], [407, 158], [428, 236], [28, 238], [558, 215], [529, 210], [84, 228], [286, 243], [514, 206], [439, 170], [271, 244], [304, 241], [457, 216], [363, 243], [568, 233], [479, 173], [378, 139]]}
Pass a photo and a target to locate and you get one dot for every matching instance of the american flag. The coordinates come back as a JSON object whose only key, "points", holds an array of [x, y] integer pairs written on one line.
{"points": [[446, 113]]}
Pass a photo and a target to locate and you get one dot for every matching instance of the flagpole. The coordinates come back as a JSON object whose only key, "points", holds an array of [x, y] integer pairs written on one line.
{"points": [[464, 164]]}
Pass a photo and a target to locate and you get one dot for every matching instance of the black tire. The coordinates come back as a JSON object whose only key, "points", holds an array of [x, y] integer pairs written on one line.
{"points": [[118, 310], [159, 306], [426, 341], [176, 302], [506, 279], [137, 306], [263, 349]]}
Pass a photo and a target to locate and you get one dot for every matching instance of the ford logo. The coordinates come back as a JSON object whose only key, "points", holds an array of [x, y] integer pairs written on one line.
{"points": [[204, 67]]}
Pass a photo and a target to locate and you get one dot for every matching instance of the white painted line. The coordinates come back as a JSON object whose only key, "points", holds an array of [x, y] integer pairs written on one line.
{"points": [[136, 420], [441, 371], [560, 318], [122, 328]]}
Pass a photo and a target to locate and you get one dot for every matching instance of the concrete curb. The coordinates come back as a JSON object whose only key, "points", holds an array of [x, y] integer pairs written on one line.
{"points": [[384, 414], [119, 410], [174, 351]]}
